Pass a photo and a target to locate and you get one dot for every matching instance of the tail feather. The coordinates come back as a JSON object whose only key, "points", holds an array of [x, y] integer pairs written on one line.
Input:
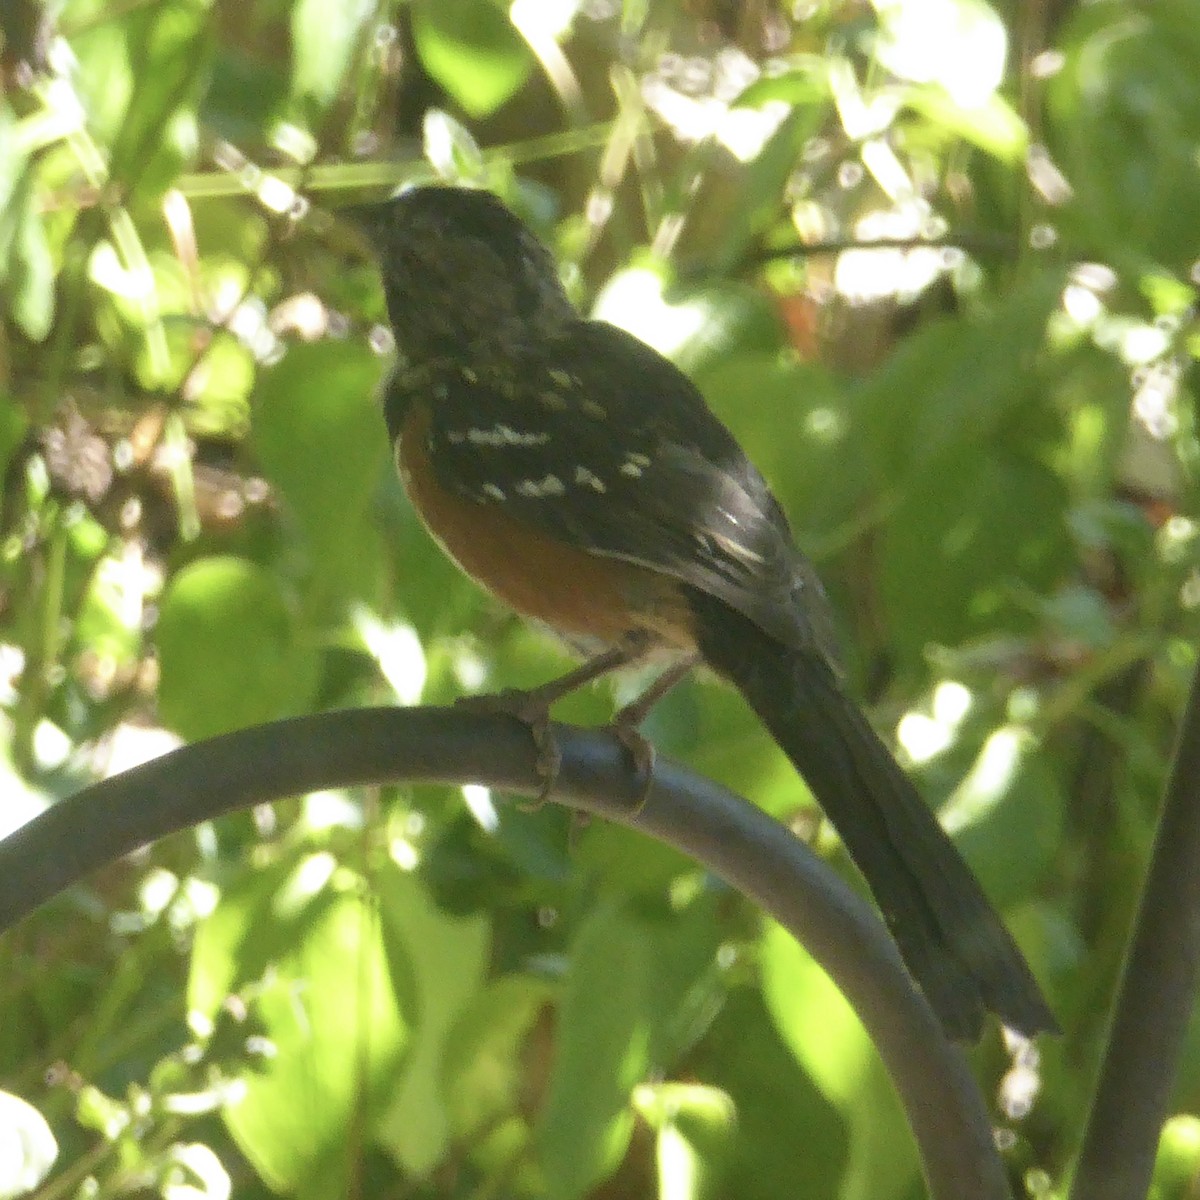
{"points": [[950, 937]]}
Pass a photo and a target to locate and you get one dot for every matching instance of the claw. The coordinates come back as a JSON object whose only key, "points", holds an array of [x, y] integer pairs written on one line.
{"points": [[532, 710], [641, 751], [625, 725]]}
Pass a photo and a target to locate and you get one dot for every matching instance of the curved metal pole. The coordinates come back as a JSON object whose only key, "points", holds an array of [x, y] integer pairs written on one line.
{"points": [[726, 833], [1156, 996]]}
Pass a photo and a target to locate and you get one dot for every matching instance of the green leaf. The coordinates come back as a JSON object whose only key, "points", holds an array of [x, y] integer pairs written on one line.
{"points": [[104, 78], [449, 147], [914, 40], [471, 48], [230, 653], [629, 861], [964, 543], [325, 41], [1178, 1159], [243, 96], [791, 419], [802, 999], [825, 1035], [744, 1056], [319, 435], [803, 81], [755, 204], [444, 960], [483, 1064], [601, 1052], [26, 269], [955, 383], [169, 46], [32, 278], [694, 326], [248, 929], [13, 427], [1007, 815], [195, 1173], [325, 999], [734, 749], [110, 614], [1124, 112], [993, 125], [696, 1127]]}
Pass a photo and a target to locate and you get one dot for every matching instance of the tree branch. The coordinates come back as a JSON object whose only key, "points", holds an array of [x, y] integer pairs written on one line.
{"points": [[727, 834], [1156, 996]]}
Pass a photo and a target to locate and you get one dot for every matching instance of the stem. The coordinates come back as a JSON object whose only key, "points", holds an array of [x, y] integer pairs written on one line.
{"points": [[44, 645]]}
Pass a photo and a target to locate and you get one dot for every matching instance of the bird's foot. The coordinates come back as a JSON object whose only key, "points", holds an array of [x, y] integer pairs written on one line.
{"points": [[532, 706], [532, 709], [641, 750]]}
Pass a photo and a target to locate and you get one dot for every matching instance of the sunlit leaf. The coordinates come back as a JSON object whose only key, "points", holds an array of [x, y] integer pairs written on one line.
{"points": [[449, 147], [230, 649], [27, 1147], [323, 993], [601, 1051], [992, 125], [204, 1175], [821, 1030], [1178, 1157], [748, 211], [319, 434], [325, 39], [471, 48], [695, 1126], [1007, 815], [32, 278], [801, 79], [747, 1058], [442, 959], [961, 45], [26, 269]]}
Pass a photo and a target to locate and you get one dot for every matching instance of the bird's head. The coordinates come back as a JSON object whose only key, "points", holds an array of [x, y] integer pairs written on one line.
{"points": [[460, 272]]}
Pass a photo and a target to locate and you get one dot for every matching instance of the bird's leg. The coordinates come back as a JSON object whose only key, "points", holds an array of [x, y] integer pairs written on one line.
{"points": [[532, 706], [625, 724]]}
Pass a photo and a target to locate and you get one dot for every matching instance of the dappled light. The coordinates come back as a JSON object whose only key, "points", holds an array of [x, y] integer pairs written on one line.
{"points": [[932, 265]]}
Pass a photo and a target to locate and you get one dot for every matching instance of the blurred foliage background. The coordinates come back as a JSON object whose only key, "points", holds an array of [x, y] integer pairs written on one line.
{"points": [[983, 429]]}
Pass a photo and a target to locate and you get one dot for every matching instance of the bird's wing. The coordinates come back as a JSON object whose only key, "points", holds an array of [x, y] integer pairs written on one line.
{"points": [[596, 439]]}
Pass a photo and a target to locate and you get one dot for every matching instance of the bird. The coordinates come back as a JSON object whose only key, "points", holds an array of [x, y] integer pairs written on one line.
{"points": [[580, 477]]}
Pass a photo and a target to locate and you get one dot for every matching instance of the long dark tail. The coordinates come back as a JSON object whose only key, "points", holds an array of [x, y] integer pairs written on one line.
{"points": [[950, 937]]}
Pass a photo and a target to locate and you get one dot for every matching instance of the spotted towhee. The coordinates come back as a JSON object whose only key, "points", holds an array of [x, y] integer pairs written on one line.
{"points": [[580, 477]]}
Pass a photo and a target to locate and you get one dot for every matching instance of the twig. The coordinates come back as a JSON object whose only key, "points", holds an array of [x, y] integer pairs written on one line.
{"points": [[977, 241]]}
